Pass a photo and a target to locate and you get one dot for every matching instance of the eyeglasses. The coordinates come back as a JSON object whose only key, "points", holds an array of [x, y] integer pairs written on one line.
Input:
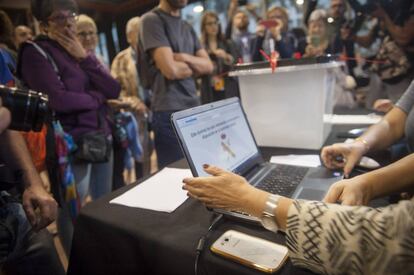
{"points": [[62, 18], [212, 23], [86, 34]]}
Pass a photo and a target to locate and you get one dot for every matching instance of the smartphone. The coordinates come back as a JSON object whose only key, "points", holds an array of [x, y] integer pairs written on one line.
{"points": [[315, 40], [242, 2], [268, 23], [250, 251]]}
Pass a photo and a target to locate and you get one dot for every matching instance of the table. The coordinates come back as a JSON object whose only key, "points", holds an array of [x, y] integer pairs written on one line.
{"points": [[112, 239]]}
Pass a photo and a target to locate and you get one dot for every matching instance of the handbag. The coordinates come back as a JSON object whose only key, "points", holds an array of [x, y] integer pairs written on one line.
{"points": [[93, 147]]}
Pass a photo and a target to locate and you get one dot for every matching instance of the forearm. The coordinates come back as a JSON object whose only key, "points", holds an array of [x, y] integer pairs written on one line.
{"points": [[14, 152], [403, 35], [178, 70], [383, 134], [329, 238], [256, 202], [199, 65], [396, 177], [364, 41], [100, 77]]}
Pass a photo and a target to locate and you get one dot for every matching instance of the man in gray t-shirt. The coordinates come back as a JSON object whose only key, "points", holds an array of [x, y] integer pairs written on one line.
{"points": [[178, 57]]}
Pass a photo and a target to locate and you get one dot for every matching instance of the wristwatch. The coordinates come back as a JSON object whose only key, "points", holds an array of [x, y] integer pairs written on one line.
{"points": [[268, 216]]}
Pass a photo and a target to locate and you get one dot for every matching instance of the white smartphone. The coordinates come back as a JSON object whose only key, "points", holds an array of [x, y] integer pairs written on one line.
{"points": [[251, 251]]}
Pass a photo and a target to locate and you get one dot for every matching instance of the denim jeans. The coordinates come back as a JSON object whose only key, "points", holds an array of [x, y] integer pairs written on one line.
{"points": [[91, 178], [34, 253], [166, 143]]}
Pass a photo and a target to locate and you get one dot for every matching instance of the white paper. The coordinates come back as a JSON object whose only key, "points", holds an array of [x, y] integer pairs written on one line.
{"points": [[352, 119], [162, 192], [298, 160]]}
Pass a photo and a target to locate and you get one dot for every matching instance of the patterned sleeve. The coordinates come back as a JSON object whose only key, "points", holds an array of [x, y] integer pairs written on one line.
{"points": [[336, 239]]}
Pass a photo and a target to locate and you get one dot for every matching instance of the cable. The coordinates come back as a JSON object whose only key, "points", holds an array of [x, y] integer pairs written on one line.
{"points": [[202, 241]]}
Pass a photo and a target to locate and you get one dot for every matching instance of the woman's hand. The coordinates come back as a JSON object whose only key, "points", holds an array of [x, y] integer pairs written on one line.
{"points": [[383, 105], [277, 30], [70, 42], [355, 191], [343, 155], [226, 190]]}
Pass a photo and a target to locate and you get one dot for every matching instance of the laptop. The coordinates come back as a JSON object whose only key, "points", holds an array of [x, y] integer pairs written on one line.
{"points": [[219, 134]]}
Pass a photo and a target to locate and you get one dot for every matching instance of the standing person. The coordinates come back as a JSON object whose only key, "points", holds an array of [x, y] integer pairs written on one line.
{"points": [[245, 40], [277, 37], [26, 246], [338, 29], [6, 41], [223, 54], [78, 89], [22, 33], [238, 30], [132, 98], [178, 57], [87, 33]]}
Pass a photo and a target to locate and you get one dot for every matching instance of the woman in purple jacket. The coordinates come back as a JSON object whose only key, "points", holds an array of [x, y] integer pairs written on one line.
{"points": [[77, 90]]}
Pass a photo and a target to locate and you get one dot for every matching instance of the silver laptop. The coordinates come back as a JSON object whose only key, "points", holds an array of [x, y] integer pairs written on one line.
{"points": [[219, 134]]}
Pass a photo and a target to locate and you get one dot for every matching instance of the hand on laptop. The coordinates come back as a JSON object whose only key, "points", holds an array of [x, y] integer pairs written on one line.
{"points": [[226, 190], [343, 155], [355, 191]]}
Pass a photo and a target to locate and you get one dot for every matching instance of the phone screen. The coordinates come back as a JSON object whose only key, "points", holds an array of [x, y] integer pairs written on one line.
{"points": [[269, 23], [315, 40], [242, 2]]}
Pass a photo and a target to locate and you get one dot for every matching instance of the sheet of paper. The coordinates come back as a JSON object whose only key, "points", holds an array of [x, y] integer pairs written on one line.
{"points": [[161, 192], [298, 160], [352, 119]]}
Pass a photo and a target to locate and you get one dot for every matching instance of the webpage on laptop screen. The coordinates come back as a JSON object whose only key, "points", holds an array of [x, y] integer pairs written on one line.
{"points": [[219, 137]]}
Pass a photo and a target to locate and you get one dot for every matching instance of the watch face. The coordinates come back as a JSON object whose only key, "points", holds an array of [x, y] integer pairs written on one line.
{"points": [[269, 223]]}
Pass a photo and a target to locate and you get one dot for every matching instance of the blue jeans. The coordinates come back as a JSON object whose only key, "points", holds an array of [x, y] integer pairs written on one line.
{"points": [[91, 178], [166, 143], [34, 253]]}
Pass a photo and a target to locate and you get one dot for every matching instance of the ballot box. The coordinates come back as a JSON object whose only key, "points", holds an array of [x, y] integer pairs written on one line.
{"points": [[286, 107]]}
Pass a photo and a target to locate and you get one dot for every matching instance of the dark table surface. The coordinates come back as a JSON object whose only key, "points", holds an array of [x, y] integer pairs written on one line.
{"points": [[114, 239]]}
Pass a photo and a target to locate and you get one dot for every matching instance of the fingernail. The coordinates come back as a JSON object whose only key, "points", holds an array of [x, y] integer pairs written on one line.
{"points": [[205, 166]]}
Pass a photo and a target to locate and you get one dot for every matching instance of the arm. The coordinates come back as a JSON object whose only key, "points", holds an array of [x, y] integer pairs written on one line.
{"points": [[200, 63], [402, 35], [169, 67], [100, 77], [40, 207], [233, 6], [326, 238], [362, 189], [39, 74], [377, 137]]}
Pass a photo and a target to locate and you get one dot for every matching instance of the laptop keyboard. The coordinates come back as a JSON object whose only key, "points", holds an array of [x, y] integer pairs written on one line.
{"points": [[283, 180]]}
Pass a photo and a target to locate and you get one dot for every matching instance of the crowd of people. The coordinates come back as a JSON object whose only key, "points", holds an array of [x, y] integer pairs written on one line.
{"points": [[122, 111]]}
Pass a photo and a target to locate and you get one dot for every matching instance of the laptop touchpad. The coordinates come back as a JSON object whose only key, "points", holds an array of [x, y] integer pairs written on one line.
{"points": [[311, 194]]}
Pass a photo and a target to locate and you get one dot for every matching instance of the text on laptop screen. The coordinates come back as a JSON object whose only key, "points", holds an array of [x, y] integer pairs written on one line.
{"points": [[219, 136]]}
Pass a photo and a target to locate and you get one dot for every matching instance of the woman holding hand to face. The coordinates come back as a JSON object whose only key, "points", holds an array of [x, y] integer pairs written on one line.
{"points": [[78, 89]]}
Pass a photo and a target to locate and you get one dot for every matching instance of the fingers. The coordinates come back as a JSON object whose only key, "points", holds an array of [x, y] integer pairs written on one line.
{"points": [[30, 213], [213, 170], [350, 163], [47, 214], [334, 194], [350, 200]]}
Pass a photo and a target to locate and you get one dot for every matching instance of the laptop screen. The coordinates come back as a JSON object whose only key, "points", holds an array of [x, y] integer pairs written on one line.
{"points": [[219, 136]]}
